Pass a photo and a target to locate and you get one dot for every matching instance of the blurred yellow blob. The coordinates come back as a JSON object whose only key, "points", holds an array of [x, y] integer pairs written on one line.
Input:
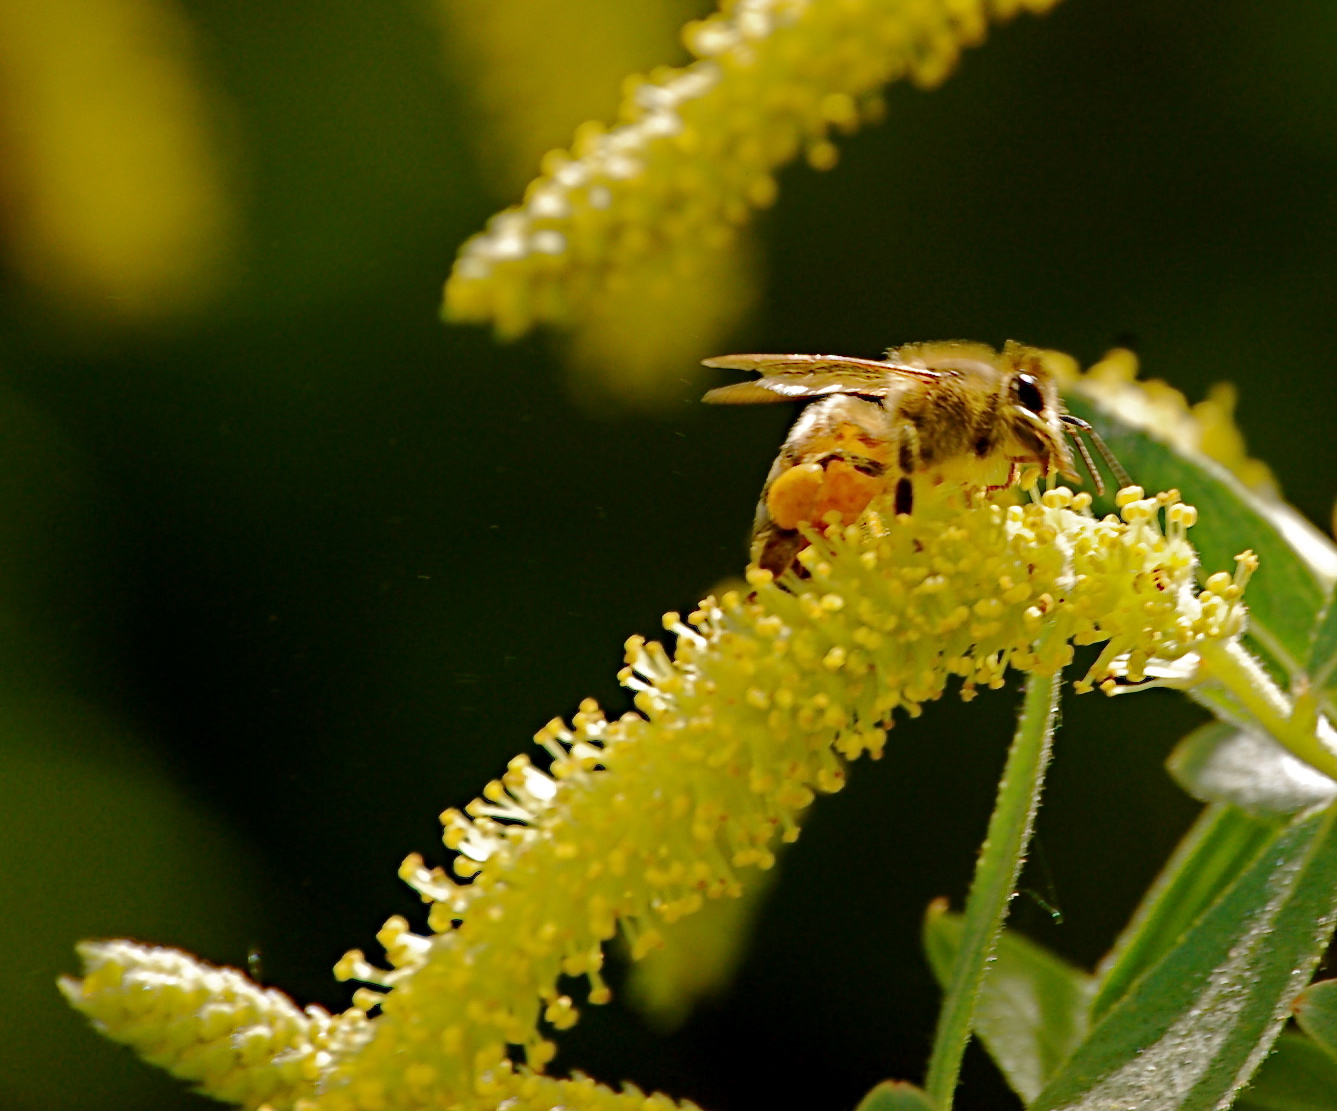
{"points": [[630, 232], [646, 334], [699, 956], [536, 68], [113, 203], [1207, 428]]}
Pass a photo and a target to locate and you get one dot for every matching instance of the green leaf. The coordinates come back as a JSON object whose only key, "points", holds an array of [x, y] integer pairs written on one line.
{"points": [[1212, 855], [1032, 1006], [1322, 665], [1219, 763], [1298, 1076], [1190, 1031], [1316, 1011], [896, 1095], [1323, 647], [1286, 593]]}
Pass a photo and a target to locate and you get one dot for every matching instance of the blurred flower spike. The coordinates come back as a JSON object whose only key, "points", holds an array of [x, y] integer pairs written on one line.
{"points": [[637, 823], [623, 238]]}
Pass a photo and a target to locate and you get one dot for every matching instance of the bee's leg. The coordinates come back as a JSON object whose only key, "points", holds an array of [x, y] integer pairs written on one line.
{"points": [[794, 490], [774, 549], [861, 463], [908, 450], [907, 460], [1013, 476], [905, 495]]}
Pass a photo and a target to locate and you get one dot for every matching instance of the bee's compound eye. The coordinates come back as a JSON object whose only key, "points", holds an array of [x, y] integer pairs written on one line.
{"points": [[1028, 392]]}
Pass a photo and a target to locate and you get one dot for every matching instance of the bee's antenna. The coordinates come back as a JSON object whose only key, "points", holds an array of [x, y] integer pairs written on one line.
{"points": [[1091, 467], [1076, 427], [1114, 465]]}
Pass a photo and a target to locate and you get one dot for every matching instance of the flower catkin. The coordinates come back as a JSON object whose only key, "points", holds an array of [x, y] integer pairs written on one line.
{"points": [[237, 1041], [658, 196], [637, 822]]}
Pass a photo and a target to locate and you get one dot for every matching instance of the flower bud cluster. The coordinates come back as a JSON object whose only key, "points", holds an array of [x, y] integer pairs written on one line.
{"points": [[697, 149]]}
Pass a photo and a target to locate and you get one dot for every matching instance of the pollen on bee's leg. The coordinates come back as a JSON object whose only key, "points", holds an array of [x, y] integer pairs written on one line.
{"points": [[847, 492], [793, 495]]}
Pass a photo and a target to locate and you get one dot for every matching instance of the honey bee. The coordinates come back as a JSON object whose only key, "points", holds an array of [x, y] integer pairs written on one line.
{"points": [[938, 412]]}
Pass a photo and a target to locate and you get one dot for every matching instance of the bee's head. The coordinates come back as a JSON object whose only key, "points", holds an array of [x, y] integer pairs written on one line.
{"points": [[1037, 413], [1028, 392]]}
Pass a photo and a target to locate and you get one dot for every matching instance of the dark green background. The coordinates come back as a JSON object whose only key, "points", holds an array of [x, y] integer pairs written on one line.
{"points": [[277, 588]]}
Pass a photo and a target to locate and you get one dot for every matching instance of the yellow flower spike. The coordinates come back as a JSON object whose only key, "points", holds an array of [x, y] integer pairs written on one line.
{"points": [[726, 672], [213, 1026], [641, 820], [630, 238]]}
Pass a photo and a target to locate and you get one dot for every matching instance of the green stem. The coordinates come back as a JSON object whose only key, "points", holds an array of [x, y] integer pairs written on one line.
{"points": [[1231, 665], [995, 881]]}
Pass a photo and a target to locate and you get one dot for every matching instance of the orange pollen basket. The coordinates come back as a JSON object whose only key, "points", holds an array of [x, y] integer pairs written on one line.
{"points": [[805, 494]]}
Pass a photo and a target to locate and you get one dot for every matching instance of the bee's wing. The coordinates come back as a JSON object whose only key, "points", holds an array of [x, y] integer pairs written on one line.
{"points": [[784, 377]]}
